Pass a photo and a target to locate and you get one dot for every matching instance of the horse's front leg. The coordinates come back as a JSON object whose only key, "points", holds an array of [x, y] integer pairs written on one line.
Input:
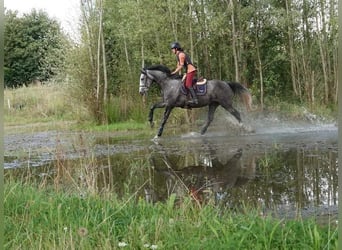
{"points": [[153, 107], [166, 116]]}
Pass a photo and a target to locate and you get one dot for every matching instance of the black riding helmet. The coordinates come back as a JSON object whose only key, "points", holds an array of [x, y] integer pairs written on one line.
{"points": [[175, 45]]}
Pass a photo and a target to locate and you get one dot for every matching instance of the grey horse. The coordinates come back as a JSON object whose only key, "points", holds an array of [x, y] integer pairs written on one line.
{"points": [[218, 92]]}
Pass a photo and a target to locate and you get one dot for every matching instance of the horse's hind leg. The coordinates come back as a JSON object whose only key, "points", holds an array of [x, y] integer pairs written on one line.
{"points": [[211, 111], [235, 113]]}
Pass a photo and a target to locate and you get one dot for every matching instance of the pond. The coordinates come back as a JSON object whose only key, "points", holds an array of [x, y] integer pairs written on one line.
{"points": [[286, 173]]}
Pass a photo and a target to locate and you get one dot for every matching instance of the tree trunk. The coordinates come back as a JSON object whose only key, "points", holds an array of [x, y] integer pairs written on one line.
{"points": [[261, 77], [105, 89], [141, 38], [98, 57], [290, 43], [234, 40], [90, 37], [307, 77], [333, 33], [306, 47], [190, 115], [335, 69], [312, 87], [322, 49], [173, 20]]}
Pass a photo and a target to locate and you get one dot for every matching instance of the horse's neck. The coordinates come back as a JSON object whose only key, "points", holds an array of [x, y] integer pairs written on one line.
{"points": [[168, 83]]}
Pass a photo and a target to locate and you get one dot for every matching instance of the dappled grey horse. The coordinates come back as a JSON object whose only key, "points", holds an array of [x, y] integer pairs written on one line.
{"points": [[217, 93]]}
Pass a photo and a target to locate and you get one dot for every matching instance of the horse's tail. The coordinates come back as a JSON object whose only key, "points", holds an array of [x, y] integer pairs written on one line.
{"points": [[243, 92]]}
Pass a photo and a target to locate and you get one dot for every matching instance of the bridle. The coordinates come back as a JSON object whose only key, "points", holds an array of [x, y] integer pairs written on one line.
{"points": [[143, 86]]}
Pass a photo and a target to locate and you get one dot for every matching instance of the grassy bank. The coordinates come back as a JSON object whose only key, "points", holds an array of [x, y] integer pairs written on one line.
{"points": [[41, 218], [52, 107], [38, 104]]}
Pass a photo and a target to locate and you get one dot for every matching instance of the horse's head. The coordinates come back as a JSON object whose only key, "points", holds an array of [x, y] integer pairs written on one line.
{"points": [[145, 82], [156, 73]]}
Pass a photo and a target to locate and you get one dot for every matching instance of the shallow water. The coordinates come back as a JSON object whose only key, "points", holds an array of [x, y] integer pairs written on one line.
{"points": [[286, 172]]}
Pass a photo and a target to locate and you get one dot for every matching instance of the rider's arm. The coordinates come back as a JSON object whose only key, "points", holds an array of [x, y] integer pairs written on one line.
{"points": [[180, 64]]}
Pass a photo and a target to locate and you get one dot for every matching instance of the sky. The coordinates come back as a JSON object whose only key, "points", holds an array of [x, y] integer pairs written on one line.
{"points": [[67, 12]]}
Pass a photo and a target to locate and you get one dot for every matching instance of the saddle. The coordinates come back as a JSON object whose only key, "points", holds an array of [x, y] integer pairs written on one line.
{"points": [[200, 81], [199, 85]]}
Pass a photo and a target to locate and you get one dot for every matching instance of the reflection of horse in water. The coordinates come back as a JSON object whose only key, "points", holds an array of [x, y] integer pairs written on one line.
{"points": [[204, 183]]}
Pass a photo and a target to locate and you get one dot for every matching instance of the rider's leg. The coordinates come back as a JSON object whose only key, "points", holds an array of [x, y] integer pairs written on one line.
{"points": [[188, 85], [193, 96]]}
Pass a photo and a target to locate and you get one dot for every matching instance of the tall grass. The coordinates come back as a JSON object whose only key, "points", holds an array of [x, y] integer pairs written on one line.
{"points": [[38, 103], [125, 109], [41, 218]]}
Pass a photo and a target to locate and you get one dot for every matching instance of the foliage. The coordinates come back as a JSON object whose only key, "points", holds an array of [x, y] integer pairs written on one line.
{"points": [[41, 218], [273, 47], [33, 48], [286, 50]]}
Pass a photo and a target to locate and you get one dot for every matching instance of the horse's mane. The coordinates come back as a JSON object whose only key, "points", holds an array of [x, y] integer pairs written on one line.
{"points": [[164, 69], [160, 67]]}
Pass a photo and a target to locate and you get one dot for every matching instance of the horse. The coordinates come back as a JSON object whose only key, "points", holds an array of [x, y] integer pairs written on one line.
{"points": [[218, 92]]}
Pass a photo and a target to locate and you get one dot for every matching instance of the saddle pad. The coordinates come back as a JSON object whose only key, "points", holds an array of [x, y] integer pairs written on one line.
{"points": [[199, 89]]}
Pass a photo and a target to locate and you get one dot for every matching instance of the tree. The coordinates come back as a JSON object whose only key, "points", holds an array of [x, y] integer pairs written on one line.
{"points": [[283, 50], [33, 48]]}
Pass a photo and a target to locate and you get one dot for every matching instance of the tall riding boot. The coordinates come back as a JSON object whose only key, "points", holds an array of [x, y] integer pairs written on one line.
{"points": [[193, 96]]}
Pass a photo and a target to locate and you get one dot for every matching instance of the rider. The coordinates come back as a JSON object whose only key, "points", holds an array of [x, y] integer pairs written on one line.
{"points": [[184, 61]]}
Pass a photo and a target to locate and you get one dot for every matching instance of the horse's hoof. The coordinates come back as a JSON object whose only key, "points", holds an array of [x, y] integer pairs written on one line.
{"points": [[247, 128], [156, 138]]}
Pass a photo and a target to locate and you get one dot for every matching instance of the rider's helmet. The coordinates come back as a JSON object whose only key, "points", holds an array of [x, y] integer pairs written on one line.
{"points": [[175, 45]]}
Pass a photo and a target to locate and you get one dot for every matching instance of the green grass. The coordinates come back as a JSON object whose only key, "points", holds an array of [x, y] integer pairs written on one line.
{"points": [[52, 107], [41, 218], [34, 104]]}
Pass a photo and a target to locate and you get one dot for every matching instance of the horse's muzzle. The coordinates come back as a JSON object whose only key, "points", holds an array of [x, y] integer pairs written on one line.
{"points": [[142, 90]]}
